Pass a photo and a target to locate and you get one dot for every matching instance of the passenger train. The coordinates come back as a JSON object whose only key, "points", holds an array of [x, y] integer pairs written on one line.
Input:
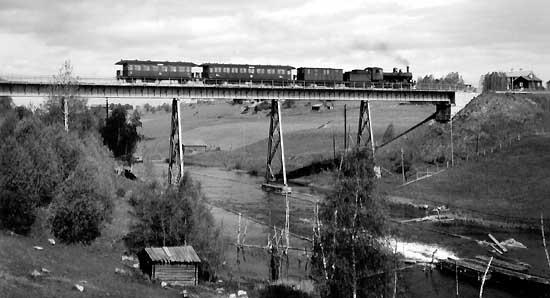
{"points": [[133, 71]]}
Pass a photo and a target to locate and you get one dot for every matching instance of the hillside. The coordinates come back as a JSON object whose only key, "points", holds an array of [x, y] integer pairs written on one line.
{"points": [[502, 146], [510, 185], [488, 121]]}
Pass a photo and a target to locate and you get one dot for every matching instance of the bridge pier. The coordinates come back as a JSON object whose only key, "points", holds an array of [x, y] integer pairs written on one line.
{"points": [[176, 144], [365, 127], [275, 140]]}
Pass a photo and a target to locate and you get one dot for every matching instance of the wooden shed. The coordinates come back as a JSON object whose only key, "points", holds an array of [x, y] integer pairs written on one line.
{"points": [[178, 264]]}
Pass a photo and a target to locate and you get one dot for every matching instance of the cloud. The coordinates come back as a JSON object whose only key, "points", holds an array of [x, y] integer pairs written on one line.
{"points": [[472, 37]]}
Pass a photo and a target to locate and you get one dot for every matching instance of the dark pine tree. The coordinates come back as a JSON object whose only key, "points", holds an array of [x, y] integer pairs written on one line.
{"points": [[120, 134]]}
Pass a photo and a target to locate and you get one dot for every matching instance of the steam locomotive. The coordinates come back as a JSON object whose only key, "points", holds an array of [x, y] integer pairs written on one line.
{"points": [[134, 71]]}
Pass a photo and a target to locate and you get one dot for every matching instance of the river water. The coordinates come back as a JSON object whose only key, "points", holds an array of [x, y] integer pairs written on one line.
{"points": [[233, 192]]}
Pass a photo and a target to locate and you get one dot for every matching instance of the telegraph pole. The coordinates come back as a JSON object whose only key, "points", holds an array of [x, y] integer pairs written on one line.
{"points": [[345, 128], [403, 167], [452, 149]]}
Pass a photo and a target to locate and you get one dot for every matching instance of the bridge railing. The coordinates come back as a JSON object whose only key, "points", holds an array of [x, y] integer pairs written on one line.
{"points": [[256, 84]]}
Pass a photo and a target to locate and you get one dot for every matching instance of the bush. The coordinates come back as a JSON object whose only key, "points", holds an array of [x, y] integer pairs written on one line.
{"points": [[121, 192], [276, 291], [76, 220], [17, 211]]}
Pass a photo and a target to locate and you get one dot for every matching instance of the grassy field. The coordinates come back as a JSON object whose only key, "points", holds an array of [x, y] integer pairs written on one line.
{"points": [[511, 184], [242, 138]]}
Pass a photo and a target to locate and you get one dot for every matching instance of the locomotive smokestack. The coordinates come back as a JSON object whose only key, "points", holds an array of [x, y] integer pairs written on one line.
{"points": [[407, 68]]}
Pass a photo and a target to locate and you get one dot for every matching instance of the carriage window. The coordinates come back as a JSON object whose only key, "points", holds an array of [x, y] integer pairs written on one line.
{"points": [[308, 71], [243, 70], [288, 72], [251, 70], [173, 68], [154, 68], [130, 67], [146, 68], [182, 69], [234, 70], [137, 67], [226, 69], [165, 68], [260, 71]]}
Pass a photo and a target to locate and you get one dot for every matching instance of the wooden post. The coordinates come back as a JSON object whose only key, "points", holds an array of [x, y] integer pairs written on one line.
{"points": [[180, 139], [456, 278], [333, 146], [403, 167], [452, 148], [345, 129]]}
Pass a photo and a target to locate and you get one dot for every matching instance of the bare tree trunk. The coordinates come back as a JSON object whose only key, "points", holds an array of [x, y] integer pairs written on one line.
{"points": [[484, 277], [544, 239], [66, 114]]}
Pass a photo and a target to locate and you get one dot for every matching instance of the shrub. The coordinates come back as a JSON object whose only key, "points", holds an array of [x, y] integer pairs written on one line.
{"points": [[121, 192], [276, 291], [17, 211], [76, 220]]}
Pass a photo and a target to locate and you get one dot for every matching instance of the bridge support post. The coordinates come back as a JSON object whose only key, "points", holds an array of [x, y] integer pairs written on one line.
{"points": [[176, 144], [365, 126], [275, 141]]}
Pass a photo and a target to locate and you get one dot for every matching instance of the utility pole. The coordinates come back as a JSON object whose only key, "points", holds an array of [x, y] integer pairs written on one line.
{"points": [[345, 128], [106, 109], [403, 167], [452, 149]]}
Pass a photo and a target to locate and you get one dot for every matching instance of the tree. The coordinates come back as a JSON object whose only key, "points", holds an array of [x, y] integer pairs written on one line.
{"points": [[451, 79], [177, 216], [348, 250], [495, 81], [120, 133], [17, 211], [38, 164], [63, 91], [6, 104]]}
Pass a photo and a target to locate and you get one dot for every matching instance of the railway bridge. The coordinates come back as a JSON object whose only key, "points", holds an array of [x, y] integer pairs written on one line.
{"points": [[274, 92]]}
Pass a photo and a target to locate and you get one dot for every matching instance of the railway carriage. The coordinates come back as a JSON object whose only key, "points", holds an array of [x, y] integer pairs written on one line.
{"points": [[220, 72], [320, 76], [153, 71]]}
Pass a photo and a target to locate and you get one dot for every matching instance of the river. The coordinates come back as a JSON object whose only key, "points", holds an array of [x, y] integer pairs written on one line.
{"points": [[232, 192]]}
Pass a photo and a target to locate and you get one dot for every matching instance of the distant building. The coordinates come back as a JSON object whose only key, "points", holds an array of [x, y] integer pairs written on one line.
{"points": [[178, 264], [522, 80]]}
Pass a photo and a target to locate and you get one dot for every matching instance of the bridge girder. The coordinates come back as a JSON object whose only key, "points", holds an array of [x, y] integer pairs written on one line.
{"points": [[230, 92]]}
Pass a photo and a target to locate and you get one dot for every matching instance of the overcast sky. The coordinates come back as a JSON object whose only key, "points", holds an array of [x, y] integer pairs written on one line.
{"points": [[432, 36]]}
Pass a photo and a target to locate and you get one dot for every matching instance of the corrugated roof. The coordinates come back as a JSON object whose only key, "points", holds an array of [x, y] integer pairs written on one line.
{"points": [[174, 254]]}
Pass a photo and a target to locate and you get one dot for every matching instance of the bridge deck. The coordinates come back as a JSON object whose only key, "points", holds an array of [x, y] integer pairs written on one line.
{"points": [[196, 90]]}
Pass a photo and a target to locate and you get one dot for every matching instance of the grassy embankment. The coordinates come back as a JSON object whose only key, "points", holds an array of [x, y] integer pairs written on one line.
{"points": [[90, 266], [497, 175]]}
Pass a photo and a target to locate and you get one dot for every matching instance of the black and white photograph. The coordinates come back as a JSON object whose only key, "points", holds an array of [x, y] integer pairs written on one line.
{"points": [[271, 149]]}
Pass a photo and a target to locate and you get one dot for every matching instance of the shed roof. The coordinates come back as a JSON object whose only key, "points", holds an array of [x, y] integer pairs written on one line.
{"points": [[174, 254], [150, 62]]}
